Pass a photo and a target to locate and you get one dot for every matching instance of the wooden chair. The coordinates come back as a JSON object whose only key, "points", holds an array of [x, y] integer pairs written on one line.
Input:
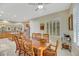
{"points": [[25, 46], [36, 36], [21, 46], [18, 43], [51, 52], [46, 37], [28, 48], [36, 51]]}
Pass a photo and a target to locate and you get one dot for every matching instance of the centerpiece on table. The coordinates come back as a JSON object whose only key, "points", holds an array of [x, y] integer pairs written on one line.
{"points": [[42, 42]]}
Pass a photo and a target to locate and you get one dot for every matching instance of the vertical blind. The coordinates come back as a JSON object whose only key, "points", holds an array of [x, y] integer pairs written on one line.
{"points": [[77, 23]]}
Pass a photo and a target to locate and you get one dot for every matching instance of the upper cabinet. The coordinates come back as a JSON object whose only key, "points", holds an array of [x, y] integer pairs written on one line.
{"points": [[11, 27]]}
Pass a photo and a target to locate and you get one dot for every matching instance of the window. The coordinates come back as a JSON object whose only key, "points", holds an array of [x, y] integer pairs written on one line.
{"points": [[56, 28], [76, 24], [53, 28], [50, 27]]}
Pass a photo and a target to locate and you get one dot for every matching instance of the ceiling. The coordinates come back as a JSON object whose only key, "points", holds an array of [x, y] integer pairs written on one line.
{"points": [[20, 12]]}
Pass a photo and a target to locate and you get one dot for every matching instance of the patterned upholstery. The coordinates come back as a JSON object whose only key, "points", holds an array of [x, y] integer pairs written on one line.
{"points": [[28, 48], [51, 52], [46, 37], [36, 36]]}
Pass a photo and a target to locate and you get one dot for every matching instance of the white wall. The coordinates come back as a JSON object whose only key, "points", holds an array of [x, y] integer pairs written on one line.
{"points": [[34, 26], [61, 16]]}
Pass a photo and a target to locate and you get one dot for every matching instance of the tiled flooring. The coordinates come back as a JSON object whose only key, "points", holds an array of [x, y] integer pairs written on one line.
{"points": [[65, 52]]}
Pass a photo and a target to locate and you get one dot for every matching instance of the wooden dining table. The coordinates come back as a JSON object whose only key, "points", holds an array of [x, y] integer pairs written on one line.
{"points": [[36, 44]]}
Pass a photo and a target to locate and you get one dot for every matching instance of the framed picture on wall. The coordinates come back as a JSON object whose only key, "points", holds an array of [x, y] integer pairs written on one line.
{"points": [[70, 22], [42, 26]]}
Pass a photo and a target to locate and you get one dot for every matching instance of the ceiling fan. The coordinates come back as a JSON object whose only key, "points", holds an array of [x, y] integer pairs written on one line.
{"points": [[39, 5]]}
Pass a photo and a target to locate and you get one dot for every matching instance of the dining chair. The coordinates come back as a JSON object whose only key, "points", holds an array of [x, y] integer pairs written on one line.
{"points": [[17, 44], [28, 51], [51, 50], [36, 36], [36, 51], [46, 37], [20, 47]]}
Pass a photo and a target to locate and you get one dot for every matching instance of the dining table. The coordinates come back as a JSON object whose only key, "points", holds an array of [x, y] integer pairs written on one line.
{"points": [[36, 44]]}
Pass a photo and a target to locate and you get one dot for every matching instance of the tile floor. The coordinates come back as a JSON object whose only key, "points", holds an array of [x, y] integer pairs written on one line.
{"points": [[65, 52]]}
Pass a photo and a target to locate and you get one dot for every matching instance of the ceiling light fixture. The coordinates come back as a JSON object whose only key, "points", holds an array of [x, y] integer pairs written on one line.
{"points": [[40, 6]]}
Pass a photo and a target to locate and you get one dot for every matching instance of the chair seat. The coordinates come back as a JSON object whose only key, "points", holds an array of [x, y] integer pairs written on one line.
{"points": [[49, 52]]}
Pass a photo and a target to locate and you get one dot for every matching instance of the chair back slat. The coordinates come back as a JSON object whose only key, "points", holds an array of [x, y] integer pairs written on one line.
{"points": [[51, 52], [36, 36], [46, 37]]}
